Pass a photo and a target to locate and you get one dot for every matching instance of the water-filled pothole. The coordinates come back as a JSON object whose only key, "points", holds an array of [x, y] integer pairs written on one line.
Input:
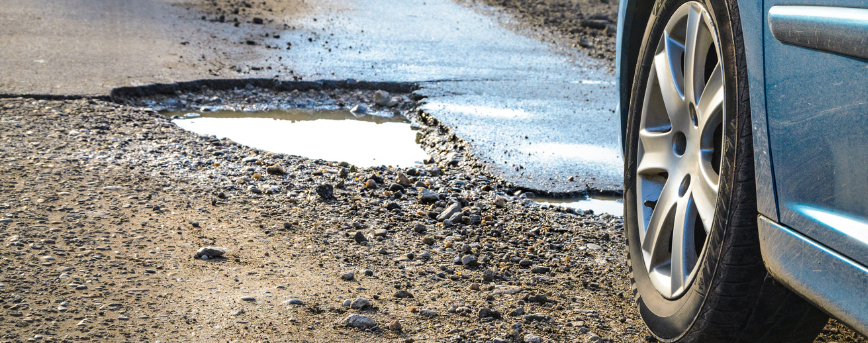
{"points": [[332, 135], [598, 203]]}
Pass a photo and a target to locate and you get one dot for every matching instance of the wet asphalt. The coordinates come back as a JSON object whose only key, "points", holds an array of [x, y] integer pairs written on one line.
{"points": [[541, 117]]}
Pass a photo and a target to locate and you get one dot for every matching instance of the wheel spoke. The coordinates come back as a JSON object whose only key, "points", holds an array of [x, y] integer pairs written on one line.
{"points": [[656, 237], [704, 193], [694, 20], [669, 78], [711, 99], [657, 156], [683, 251]]}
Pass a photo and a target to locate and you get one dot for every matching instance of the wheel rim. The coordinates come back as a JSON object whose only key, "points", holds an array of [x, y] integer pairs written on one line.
{"points": [[680, 148]]}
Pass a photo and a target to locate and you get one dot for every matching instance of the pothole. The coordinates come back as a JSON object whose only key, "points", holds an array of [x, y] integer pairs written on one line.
{"points": [[328, 134], [598, 203]]}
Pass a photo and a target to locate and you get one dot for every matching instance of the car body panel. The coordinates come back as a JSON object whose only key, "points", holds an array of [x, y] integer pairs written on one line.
{"points": [[818, 132], [819, 274]]}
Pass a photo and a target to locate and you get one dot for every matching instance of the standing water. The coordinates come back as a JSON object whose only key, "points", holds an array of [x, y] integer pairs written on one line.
{"points": [[598, 203], [332, 135]]}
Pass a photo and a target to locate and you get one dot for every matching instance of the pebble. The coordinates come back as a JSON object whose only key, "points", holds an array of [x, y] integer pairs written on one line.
{"points": [[248, 298], [294, 301], [275, 170], [325, 191], [449, 212], [469, 261], [531, 338], [381, 233], [489, 313], [381, 97], [419, 228], [403, 294], [360, 237], [360, 322], [359, 109], [428, 313], [595, 247], [371, 184], [500, 202], [427, 197], [211, 252], [395, 326], [402, 180], [348, 276], [360, 303]]}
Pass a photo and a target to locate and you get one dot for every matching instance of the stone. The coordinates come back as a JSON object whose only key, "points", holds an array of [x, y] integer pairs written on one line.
{"points": [[427, 197], [211, 252], [419, 228], [536, 317], [449, 212], [540, 270], [325, 191], [428, 240], [381, 98], [344, 172], [294, 301], [371, 184], [500, 202], [359, 109], [248, 298], [275, 170], [488, 276], [428, 313], [360, 237], [395, 326], [507, 290], [594, 247], [516, 312], [469, 260], [402, 294], [360, 303], [360, 322], [348, 276], [381, 233], [489, 313], [525, 263], [531, 338], [402, 180]]}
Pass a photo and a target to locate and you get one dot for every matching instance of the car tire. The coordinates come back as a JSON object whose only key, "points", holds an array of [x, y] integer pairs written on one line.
{"points": [[717, 288]]}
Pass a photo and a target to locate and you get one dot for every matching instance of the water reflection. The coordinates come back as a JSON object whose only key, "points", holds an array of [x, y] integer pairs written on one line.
{"points": [[332, 135], [598, 203]]}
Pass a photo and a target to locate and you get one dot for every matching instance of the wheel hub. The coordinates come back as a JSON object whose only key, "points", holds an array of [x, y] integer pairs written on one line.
{"points": [[678, 156]]}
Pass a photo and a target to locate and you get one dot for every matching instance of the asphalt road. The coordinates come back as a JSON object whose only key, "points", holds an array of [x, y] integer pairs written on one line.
{"points": [[538, 115]]}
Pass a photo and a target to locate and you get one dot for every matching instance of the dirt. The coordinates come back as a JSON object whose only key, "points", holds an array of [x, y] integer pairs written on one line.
{"points": [[105, 206], [585, 25]]}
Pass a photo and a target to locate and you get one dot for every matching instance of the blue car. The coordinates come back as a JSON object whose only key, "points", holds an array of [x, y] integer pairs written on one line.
{"points": [[745, 136]]}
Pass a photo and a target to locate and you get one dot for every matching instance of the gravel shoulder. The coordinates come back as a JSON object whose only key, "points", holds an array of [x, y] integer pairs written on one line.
{"points": [[105, 207]]}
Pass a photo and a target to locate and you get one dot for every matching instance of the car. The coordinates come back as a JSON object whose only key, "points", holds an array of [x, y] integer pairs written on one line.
{"points": [[745, 140]]}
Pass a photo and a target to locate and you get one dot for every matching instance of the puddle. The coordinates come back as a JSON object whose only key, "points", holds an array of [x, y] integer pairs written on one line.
{"points": [[331, 135], [599, 204]]}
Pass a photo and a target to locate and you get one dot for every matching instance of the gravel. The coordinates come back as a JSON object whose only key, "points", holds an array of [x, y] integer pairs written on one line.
{"points": [[129, 249]]}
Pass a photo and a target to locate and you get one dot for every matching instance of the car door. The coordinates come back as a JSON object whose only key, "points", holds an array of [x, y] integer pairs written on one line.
{"points": [[816, 78]]}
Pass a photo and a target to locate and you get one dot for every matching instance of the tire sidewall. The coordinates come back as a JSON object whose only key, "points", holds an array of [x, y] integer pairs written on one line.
{"points": [[668, 319]]}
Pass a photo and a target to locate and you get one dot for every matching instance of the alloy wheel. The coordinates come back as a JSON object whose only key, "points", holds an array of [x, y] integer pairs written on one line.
{"points": [[680, 148]]}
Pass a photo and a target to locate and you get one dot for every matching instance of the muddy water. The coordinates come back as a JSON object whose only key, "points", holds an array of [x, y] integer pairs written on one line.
{"points": [[599, 204], [331, 135]]}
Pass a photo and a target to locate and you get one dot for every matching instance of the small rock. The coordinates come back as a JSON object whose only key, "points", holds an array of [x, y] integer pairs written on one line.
{"points": [[403, 294], [428, 313], [395, 326], [257, 20], [531, 338], [402, 180], [381, 233], [275, 170], [525, 263], [360, 303], [449, 212], [294, 302], [348, 276], [428, 240], [360, 322], [469, 260], [371, 184], [360, 237], [427, 197], [500, 202], [325, 191], [595, 247], [488, 276], [211, 252], [536, 317], [516, 312], [359, 109], [489, 313], [540, 270], [381, 98], [248, 298], [419, 228], [507, 290]]}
